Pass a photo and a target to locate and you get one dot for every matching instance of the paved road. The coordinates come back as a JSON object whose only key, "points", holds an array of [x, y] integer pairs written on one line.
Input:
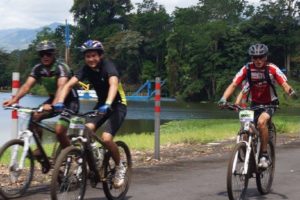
{"points": [[202, 179]]}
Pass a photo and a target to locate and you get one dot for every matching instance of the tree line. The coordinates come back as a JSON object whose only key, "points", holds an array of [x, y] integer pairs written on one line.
{"points": [[196, 49]]}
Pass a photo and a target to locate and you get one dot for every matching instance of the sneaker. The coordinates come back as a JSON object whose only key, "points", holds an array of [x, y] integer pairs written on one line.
{"points": [[264, 162], [119, 178]]}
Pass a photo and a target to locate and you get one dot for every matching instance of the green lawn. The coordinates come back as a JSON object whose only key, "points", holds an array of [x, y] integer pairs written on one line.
{"points": [[201, 131]]}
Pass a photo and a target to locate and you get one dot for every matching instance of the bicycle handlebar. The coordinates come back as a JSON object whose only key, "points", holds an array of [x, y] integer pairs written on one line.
{"points": [[94, 113], [18, 107], [235, 107]]}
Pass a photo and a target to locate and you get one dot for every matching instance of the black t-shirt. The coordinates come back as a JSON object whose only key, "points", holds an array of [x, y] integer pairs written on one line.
{"points": [[99, 78], [47, 76]]}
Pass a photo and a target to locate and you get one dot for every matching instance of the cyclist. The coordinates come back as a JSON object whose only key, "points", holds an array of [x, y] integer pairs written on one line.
{"points": [[261, 77], [104, 77], [53, 75]]}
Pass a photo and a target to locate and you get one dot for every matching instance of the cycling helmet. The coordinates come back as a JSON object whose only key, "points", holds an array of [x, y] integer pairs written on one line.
{"points": [[45, 45], [258, 50], [92, 45]]}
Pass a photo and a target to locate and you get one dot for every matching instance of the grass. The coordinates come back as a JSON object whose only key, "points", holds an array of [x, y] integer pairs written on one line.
{"points": [[5, 158], [201, 131], [193, 131]]}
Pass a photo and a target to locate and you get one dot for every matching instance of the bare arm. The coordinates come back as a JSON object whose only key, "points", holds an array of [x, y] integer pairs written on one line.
{"points": [[61, 82], [21, 92], [230, 89], [238, 99], [286, 87], [64, 91], [113, 89]]}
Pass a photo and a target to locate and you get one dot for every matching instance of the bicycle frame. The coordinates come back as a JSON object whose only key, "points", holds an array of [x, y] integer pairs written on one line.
{"points": [[26, 136], [85, 138], [248, 127]]}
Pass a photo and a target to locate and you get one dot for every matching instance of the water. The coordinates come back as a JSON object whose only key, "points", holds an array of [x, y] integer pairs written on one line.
{"points": [[140, 115]]}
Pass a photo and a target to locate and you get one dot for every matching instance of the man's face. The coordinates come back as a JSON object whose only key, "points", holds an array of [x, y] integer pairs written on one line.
{"points": [[47, 57], [92, 58], [259, 61]]}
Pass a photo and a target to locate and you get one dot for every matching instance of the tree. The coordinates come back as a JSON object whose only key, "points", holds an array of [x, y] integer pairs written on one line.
{"points": [[152, 21], [124, 48], [203, 44], [276, 23]]}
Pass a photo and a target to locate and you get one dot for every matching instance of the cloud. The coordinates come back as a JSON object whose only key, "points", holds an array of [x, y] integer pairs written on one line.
{"points": [[33, 13], [37, 13]]}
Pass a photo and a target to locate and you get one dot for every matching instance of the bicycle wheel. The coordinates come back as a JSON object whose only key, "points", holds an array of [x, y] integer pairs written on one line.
{"points": [[264, 178], [237, 182], [69, 175], [109, 170], [272, 133], [15, 181]]}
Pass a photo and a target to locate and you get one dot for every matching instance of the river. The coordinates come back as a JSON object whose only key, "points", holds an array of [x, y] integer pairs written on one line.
{"points": [[140, 115]]}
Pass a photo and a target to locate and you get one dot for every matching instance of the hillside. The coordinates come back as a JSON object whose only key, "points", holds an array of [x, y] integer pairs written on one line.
{"points": [[20, 38]]}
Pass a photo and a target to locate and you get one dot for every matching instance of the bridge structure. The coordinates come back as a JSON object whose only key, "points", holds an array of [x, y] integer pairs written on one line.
{"points": [[145, 92]]}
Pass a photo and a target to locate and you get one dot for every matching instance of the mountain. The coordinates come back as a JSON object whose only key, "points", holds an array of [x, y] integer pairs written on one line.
{"points": [[20, 38]]}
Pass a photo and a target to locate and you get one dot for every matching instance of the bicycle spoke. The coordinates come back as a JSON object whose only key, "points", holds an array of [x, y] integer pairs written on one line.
{"points": [[15, 177], [69, 175], [110, 191], [237, 181]]}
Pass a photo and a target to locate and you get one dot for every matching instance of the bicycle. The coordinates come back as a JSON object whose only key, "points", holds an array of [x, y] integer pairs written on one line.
{"points": [[70, 173], [16, 157], [243, 163]]}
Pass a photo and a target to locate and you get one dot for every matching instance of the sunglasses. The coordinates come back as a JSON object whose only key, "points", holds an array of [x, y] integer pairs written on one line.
{"points": [[258, 57], [45, 53]]}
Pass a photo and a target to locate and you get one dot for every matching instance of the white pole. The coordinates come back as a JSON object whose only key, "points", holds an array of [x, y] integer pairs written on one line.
{"points": [[14, 115], [157, 119]]}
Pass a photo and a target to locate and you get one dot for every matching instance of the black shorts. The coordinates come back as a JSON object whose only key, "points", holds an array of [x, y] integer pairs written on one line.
{"points": [[257, 113], [114, 120]]}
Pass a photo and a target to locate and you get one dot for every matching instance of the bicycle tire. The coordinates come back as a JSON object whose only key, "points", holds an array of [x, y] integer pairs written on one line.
{"points": [[57, 149], [236, 190], [16, 188], [264, 179], [272, 133], [110, 192], [66, 178]]}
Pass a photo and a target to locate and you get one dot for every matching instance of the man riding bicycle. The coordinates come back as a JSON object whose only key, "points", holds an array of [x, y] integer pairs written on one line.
{"points": [[261, 76], [104, 77], [53, 75]]}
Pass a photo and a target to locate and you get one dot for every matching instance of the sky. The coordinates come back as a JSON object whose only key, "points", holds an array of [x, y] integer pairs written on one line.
{"points": [[37, 13]]}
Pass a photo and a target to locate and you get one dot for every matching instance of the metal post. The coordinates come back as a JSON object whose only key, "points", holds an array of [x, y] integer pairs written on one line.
{"points": [[67, 41], [157, 119], [148, 88], [14, 115]]}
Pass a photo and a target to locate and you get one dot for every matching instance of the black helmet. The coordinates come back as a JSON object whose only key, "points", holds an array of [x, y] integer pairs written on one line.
{"points": [[45, 45], [258, 50], [92, 45]]}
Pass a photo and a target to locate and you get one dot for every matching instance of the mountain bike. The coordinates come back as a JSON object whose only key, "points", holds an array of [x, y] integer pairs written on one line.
{"points": [[70, 173], [16, 157], [243, 163]]}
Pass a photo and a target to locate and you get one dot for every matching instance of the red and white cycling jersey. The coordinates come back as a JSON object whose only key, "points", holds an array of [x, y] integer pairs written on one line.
{"points": [[261, 92]]}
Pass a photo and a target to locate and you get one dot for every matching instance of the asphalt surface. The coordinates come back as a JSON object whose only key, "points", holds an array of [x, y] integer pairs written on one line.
{"points": [[200, 179]]}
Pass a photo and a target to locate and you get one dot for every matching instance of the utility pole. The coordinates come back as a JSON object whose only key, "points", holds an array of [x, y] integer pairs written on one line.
{"points": [[67, 41]]}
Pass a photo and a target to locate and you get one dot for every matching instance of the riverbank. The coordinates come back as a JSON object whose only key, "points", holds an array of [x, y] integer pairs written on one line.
{"points": [[189, 139], [201, 131]]}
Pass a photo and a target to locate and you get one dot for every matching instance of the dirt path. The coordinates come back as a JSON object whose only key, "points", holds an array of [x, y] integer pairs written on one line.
{"points": [[176, 152]]}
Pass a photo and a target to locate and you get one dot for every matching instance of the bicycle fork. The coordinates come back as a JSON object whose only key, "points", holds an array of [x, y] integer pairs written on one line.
{"points": [[247, 157], [16, 167]]}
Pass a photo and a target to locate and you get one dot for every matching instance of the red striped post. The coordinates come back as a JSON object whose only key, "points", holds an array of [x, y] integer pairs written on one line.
{"points": [[14, 115], [157, 119]]}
